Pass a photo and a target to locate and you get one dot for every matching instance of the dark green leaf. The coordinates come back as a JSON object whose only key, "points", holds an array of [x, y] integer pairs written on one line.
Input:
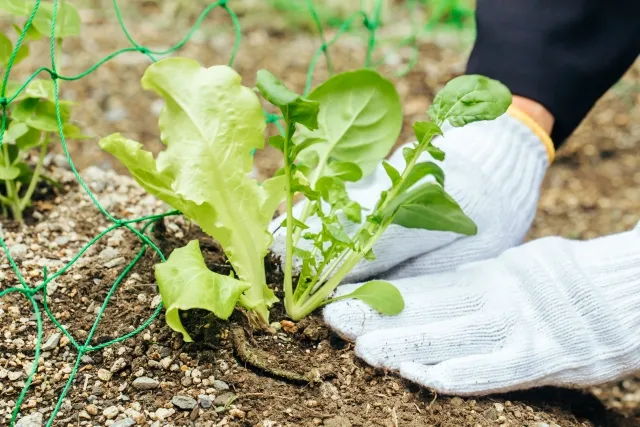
{"points": [[392, 172], [303, 145], [305, 112], [469, 98], [380, 295], [30, 139], [426, 131], [429, 207], [421, 170], [435, 152]]}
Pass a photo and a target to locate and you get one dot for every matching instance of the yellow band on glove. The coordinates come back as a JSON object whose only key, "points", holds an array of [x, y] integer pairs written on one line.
{"points": [[536, 129]]}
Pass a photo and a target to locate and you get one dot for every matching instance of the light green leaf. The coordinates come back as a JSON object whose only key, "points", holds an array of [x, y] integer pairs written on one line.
{"points": [[303, 145], [9, 172], [40, 89], [469, 98], [209, 116], [32, 138], [428, 207], [392, 172], [67, 20], [22, 54], [421, 170], [294, 107], [346, 171], [32, 33], [331, 189], [360, 120], [353, 211], [338, 235], [186, 283], [426, 130], [15, 7], [41, 113], [74, 132], [14, 131], [380, 295], [6, 48]]}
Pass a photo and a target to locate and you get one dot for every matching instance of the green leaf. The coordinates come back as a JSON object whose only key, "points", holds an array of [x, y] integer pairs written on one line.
{"points": [[186, 283], [346, 171], [6, 48], [41, 113], [277, 142], [14, 131], [435, 152], [296, 224], [421, 170], [9, 172], [294, 107], [30, 139], [303, 145], [40, 89], [209, 116], [428, 207], [469, 98], [67, 20], [338, 235], [15, 7], [380, 295], [353, 211], [360, 120], [331, 189], [426, 130], [32, 33], [392, 172], [23, 53], [74, 132]]}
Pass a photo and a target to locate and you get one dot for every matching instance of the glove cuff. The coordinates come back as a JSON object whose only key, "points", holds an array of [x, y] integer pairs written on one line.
{"points": [[544, 137]]}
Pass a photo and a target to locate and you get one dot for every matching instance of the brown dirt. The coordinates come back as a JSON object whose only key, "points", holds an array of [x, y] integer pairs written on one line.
{"points": [[592, 189]]}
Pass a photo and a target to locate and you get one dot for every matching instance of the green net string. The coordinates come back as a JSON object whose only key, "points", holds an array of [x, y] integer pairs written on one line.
{"points": [[140, 226]]}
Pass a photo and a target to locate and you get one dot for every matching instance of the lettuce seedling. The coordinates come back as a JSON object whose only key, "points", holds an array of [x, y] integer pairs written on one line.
{"points": [[210, 124], [30, 121], [319, 161]]}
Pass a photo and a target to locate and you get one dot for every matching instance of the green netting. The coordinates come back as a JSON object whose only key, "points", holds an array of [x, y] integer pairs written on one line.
{"points": [[139, 226]]}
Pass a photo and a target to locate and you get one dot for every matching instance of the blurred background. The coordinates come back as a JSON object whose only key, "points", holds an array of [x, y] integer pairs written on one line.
{"points": [[593, 188]]}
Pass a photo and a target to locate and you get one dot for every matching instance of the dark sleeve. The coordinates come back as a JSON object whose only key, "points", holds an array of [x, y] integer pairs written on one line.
{"points": [[564, 54]]}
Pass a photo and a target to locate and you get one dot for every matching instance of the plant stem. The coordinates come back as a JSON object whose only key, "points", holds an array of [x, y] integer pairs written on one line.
{"points": [[36, 173], [288, 270]]}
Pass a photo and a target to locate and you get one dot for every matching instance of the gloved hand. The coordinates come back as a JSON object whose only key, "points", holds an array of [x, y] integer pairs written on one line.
{"points": [[493, 169], [550, 312]]}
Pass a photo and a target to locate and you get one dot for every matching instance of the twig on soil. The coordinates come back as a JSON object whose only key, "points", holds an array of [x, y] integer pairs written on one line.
{"points": [[259, 359], [265, 395]]}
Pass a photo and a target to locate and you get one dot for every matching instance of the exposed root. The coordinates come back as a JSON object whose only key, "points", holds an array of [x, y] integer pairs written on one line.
{"points": [[260, 359]]}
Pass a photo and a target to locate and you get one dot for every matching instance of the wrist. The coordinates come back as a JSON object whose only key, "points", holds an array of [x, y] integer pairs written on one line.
{"points": [[537, 118]]}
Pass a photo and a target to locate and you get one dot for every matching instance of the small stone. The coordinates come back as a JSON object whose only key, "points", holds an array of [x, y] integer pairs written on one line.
{"points": [[163, 413], [14, 375], [145, 383], [108, 254], [186, 381], [91, 409], [205, 401], [224, 399], [166, 362], [220, 385], [31, 420], [110, 412], [289, 326], [18, 251], [104, 375], [184, 402], [118, 365], [155, 302], [236, 413], [83, 414], [61, 240], [86, 359], [540, 424], [115, 262], [456, 401], [499, 407], [127, 422], [491, 414], [337, 421], [276, 325], [52, 342]]}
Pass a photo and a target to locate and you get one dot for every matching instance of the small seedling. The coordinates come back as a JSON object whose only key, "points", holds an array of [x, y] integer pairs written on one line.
{"points": [[29, 117]]}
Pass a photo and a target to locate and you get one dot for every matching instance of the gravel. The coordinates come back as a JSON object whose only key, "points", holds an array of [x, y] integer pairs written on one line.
{"points": [[184, 402], [145, 383], [52, 342]]}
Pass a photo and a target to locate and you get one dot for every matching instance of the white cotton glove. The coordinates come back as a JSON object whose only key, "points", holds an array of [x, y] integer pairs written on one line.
{"points": [[493, 169], [550, 312]]}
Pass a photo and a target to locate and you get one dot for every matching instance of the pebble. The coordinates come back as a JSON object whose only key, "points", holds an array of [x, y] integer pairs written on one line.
{"points": [[115, 262], [18, 251], [60, 160], [337, 421], [145, 383], [91, 409], [127, 422], [31, 420], [118, 365], [61, 240], [110, 412], [224, 399], [184, 402], [86, 359], [163, 413], [499, 407], [540, 424], [108, 254], [220, 385], [456, 401], [14, 375], [205, 401], [237, 413], [104, 375], [155, 302], [52, 342]]}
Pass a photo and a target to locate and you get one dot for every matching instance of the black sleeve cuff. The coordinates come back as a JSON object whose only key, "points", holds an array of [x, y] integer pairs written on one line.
{"points": [[564, 54]]}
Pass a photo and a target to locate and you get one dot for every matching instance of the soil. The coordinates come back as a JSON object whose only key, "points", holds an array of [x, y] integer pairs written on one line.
{"points": [[592, 189]]}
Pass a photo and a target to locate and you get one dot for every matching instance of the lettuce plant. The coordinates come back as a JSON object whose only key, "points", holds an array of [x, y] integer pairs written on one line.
{"points": [[340, 144], [30, 121], [210, 124]]}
